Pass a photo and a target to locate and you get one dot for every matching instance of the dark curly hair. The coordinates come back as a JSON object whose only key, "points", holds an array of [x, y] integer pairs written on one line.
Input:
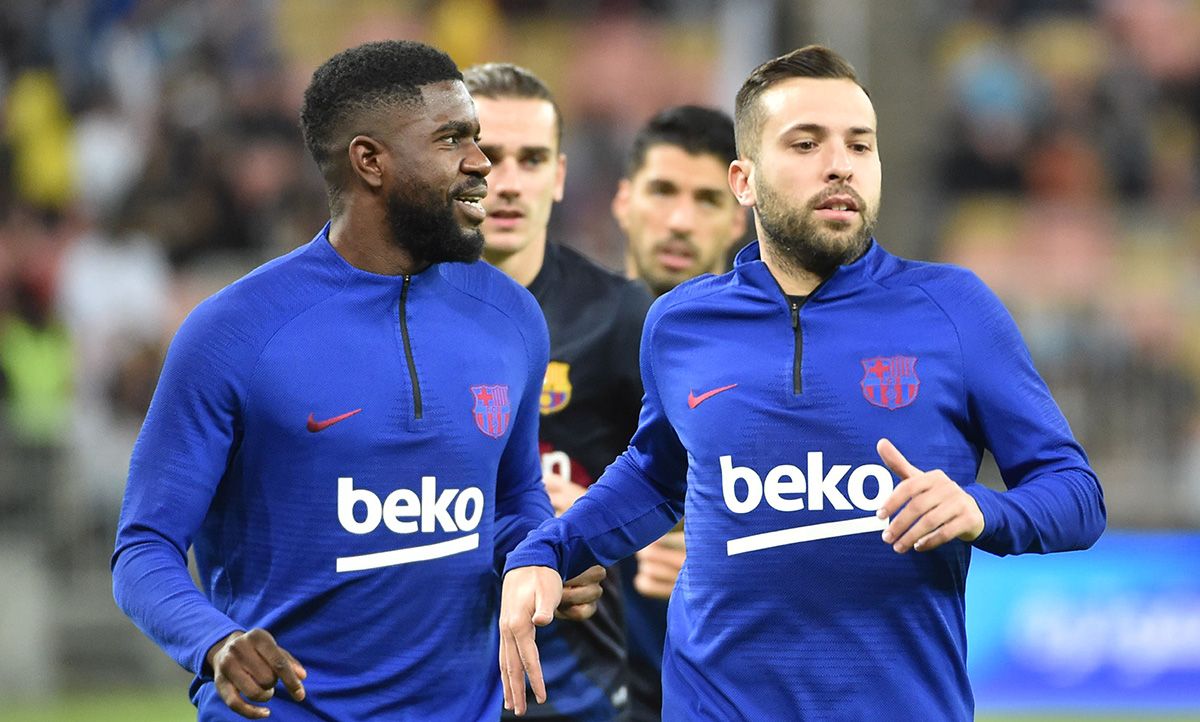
{"points": [[362, 80], [695, 129]]}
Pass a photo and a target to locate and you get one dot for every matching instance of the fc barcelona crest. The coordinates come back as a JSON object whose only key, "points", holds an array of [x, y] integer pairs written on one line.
{"points": [[556, 388], [492, 410], [890, 382]]}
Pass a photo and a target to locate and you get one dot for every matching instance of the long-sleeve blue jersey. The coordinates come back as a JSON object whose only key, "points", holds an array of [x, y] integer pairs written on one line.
{"points": [[790, 606], [351, 456]]}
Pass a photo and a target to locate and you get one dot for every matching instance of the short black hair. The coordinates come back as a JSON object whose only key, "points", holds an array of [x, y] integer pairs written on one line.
{"points": [[811, 61], [695, 129], [506, 80], [363, 80]]}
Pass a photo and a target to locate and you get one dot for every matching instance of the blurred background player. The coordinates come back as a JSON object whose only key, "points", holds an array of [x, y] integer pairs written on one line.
{"points": [[673, 203], [592, 390], [680, 220], [330, 449]]}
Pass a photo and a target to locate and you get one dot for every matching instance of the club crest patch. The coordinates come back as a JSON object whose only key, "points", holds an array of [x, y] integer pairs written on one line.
{"points": [[492, 410], [556, 388], [890, 382]]}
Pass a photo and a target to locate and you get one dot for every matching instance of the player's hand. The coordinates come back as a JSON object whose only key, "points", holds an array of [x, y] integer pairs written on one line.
{"points": [[580, 595], [927, 508], [248, 664], [563, 492], [659, 565], [529, 598]]}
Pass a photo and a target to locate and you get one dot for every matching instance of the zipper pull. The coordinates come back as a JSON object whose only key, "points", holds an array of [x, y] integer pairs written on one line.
{"points": [[795, 315]]}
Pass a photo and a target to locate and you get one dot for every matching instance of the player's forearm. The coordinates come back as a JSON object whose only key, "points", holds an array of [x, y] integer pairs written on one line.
{"points": [[1053, 512], [152, 586], [516, 517], [621, 513]]}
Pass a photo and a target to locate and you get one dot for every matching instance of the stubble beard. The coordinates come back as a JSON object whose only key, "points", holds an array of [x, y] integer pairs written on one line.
{"points": [[802, 242], [429, 232]]}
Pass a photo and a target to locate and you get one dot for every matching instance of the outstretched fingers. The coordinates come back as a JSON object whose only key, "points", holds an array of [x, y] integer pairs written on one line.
{"points": [[529, 598]]}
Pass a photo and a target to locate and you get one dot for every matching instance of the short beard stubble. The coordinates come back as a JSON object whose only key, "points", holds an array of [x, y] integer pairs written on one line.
{"points": [[802, 242]]}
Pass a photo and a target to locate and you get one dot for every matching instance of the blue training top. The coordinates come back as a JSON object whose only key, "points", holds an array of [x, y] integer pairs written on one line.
{"points": [[351, 455], [789, 605]]}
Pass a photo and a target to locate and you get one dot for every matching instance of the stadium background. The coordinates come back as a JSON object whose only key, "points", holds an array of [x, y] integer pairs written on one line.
{"points": [[149, 154]]}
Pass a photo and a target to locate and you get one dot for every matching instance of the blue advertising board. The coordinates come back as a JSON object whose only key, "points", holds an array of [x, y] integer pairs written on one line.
{"points": [[1114, 628]]}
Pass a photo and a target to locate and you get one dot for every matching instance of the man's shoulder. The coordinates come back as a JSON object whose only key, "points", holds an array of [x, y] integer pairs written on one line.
{"points": [[942, 280], [282, 277], [701, 291], [484, 282], [267, 297], [577, 264], [587, 281], [491, 287], [958, 291]]}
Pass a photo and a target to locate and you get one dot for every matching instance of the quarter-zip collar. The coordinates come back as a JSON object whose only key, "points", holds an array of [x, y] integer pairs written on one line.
{"points": [[847, 280]]}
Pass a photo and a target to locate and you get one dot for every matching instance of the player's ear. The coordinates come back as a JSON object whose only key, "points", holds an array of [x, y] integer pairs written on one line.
{"points": [[741, 182], [560, 177], [620, 202], [366, 156]]}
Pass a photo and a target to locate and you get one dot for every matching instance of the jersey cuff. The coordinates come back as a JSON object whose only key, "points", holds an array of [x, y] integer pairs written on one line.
{"points": [[989, 505], [533, 553]]}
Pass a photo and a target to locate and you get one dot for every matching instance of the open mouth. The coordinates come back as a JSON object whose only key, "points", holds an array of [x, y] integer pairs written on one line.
{"points": [[470, 202], [838, 208], [839, 202], [472, 207]]}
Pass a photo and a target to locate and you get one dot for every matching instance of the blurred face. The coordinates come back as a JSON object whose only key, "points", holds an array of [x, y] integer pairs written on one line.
{"points": [[679, 216], [519, 136], [434, 192], [815, 183]]}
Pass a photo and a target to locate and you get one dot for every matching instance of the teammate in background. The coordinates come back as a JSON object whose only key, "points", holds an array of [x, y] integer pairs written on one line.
{"points": [[674, 203], [680, 220], [348, 435], [775, 391], [593, 389]]}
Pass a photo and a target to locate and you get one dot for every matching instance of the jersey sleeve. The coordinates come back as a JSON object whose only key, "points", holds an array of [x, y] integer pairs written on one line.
{"points": [[521, 499], [178, 460], [1054, 501], [637, 499]]}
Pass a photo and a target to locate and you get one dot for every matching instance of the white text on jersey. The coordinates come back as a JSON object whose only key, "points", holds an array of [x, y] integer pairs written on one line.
{"points": [[787, 488], [404, 512]]}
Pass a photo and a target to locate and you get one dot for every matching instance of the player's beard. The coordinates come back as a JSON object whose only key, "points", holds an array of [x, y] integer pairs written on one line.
{"points": [[802, 241], [428, 229]]}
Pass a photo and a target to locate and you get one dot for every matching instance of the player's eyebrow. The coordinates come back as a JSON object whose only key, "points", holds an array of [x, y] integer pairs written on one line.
{"points": [[710, 195], [495, 150], [821, 131], [461, 128]]}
